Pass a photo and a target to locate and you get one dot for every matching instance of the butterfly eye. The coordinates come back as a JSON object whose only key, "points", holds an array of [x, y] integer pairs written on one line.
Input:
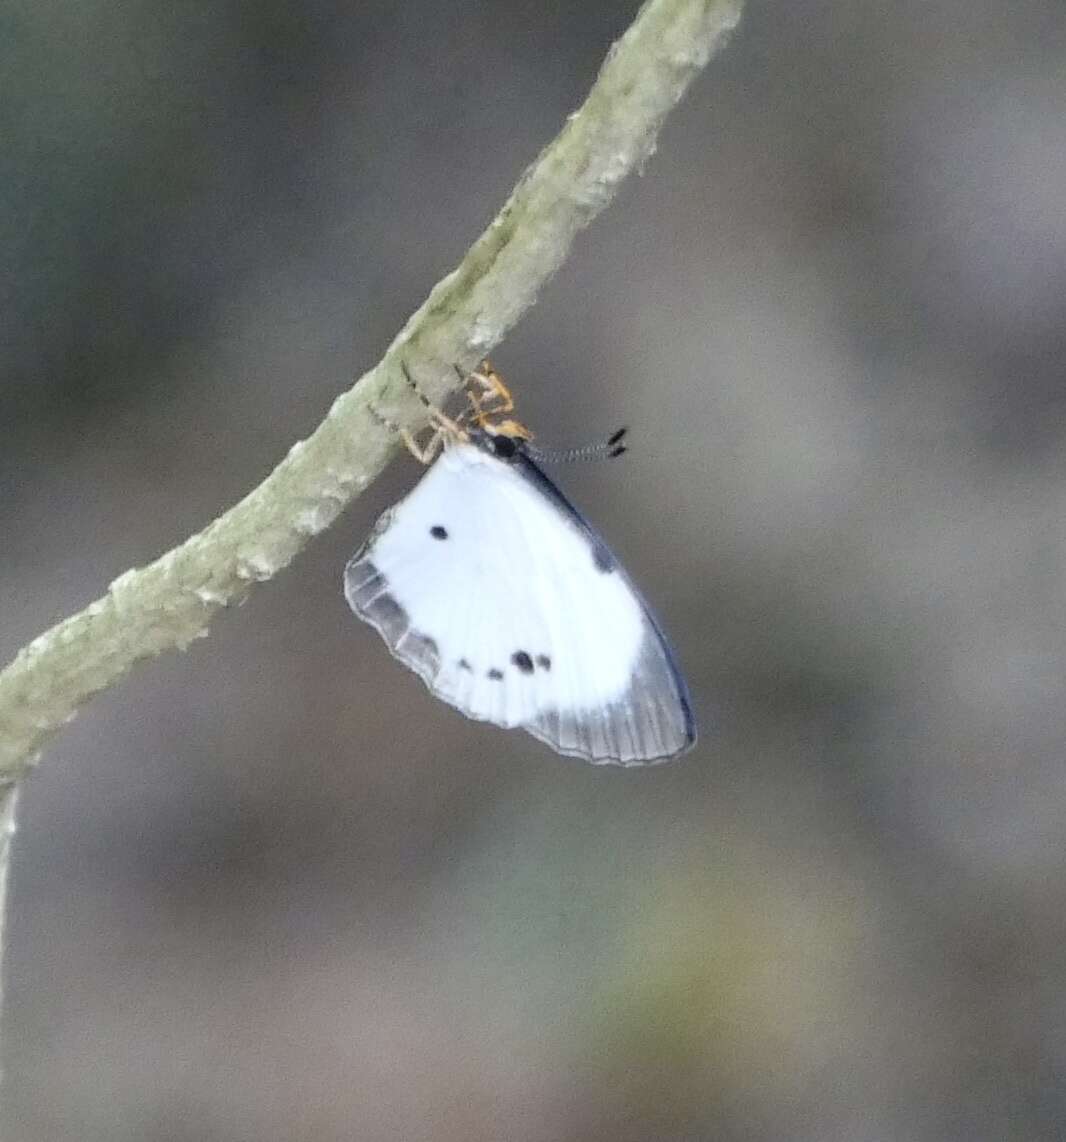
{"points": [[504, 446]]}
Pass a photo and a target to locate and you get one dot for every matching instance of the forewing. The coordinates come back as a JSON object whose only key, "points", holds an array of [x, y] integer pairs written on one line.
{"points": [[510, 609]]}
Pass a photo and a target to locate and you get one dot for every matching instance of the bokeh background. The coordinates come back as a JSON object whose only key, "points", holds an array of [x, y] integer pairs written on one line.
{"points": [[269, 889]]}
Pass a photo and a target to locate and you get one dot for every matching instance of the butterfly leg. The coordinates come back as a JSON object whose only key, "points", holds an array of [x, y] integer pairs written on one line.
{"points": [[423, 453], [414, 385], [494, 398], [382, 419], [441, 425], [493, 401]]}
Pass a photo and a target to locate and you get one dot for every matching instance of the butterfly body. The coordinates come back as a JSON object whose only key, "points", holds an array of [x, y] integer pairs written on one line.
{"points": [[490, 585]]}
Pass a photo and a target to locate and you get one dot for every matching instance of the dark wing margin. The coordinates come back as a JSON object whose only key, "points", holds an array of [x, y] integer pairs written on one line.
{"points": [[367, 592], [644, 726], [651, 722]]}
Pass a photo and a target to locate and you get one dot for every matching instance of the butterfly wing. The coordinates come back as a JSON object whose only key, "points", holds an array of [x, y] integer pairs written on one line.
{"points": [[491, 587]]}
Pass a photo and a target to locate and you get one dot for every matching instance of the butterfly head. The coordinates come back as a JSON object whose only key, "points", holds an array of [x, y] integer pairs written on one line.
{"points": [[502, 440]]}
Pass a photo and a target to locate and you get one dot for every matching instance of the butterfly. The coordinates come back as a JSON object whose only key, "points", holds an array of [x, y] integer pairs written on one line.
{"points": [[494, 589]]}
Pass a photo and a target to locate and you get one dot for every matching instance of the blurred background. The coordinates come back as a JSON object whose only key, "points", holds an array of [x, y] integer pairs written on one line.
{"points": [[270, 889]]}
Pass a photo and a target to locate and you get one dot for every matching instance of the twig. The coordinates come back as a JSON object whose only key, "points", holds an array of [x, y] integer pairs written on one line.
{"points": [[171, 601]]}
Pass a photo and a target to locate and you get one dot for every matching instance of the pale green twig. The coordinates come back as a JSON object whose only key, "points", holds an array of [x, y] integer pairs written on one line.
{"points": [[170, 602]]}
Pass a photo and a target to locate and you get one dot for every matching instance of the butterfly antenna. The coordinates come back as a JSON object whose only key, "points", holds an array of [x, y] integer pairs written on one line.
{"points": [[603, 450]]}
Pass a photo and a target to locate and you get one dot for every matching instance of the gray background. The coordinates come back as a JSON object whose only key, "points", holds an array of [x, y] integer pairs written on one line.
{"points": [[268, 889]]}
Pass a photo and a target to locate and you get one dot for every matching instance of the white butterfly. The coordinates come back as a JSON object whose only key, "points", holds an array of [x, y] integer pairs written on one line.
{"points": [[488, 584]]}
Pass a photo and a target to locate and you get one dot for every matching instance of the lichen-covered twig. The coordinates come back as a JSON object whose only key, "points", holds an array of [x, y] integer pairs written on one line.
{"points": [[170, 602]]}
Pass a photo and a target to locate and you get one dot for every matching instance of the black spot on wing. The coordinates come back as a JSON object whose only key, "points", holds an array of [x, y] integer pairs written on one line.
{"points": [[495, 675], [464, 665], [438, 532], [521, 460], [602, 557], [544, 662], [522, 661]]}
